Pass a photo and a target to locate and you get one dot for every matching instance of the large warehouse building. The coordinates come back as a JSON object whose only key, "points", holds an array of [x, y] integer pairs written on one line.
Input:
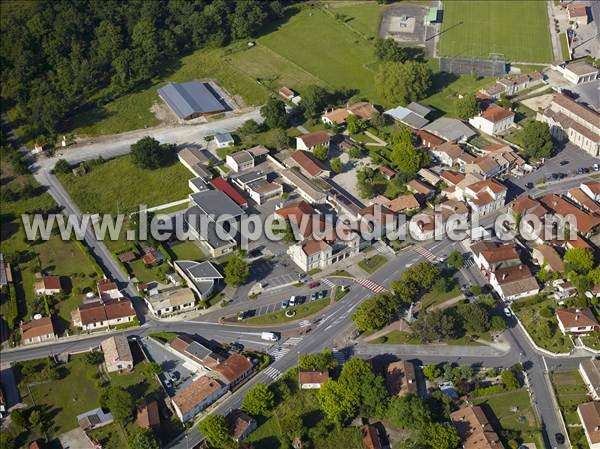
{"points": [[191, 100]]}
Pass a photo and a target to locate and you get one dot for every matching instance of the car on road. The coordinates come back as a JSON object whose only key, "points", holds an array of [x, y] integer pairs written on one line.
{"points": [[507, 312], [529, 185], [284, 304], [560, 438], [236, 347], [313, 284], [596, 167], [269, 336], [564, 162]]}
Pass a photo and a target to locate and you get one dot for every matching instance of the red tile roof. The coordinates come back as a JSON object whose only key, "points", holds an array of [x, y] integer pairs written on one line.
{"points": [[313, 377], [311, 247], [307, 162], [37, 328], [432, 139], [233, 368], [224, 186], [147, 415], [576, 317], [495, 113], [195, 393], [370, 437], [51, 282], [315, 138]]}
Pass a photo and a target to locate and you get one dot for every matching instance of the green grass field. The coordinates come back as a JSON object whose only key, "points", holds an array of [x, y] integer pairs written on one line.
{"points": [[362, 17], [119, 186], [518, 30], [302, 311], [372, 264]]}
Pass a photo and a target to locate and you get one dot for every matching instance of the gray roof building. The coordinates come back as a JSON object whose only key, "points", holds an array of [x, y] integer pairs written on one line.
{"points": [[190, 100], [216, 203], [450, 129], [206, 230], [200, 276], [419, 109]]}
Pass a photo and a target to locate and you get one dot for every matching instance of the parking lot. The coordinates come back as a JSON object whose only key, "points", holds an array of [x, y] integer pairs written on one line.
{"points": [[171, 366]]}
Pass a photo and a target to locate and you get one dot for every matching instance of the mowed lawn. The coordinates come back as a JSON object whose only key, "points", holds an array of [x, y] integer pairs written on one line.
{"points": [[321, 45], [119, 186], [518, 29], [363, 17]]}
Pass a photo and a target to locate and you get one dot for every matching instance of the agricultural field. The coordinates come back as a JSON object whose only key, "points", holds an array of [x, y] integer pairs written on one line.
{"points": [[478, 28], [125, 186], [570, 392]]}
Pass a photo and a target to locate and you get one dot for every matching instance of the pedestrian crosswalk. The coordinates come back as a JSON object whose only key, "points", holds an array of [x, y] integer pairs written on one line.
{"points": [[273, 373], [278, 352], [426, 254], [328, 283], [373, 286], [293, 341], [339, 357]]}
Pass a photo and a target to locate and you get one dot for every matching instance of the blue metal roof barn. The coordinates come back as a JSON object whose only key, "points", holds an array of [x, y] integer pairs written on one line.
{"points": [[190, 100]]}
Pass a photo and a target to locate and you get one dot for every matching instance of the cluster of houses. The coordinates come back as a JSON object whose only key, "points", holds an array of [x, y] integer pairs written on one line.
{"points": [[215, 373]]}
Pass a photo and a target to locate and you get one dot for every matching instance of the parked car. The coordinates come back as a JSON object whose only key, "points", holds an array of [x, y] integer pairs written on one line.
{"points": [[292, 301], [314, 296], [560, 438], [529, 185], [507, 312], [565, 162], [236, 347], [324, 294], [313, 284], [284, 304], [241, 315], [596, 167]]}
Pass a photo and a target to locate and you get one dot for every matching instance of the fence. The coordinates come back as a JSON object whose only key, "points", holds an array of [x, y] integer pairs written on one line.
{"points": [[495, 67]]}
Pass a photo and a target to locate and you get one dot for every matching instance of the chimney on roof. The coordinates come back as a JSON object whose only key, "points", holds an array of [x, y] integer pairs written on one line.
{"points": [[503, 276]]}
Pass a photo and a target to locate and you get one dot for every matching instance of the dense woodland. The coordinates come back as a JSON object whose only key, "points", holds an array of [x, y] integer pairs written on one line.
{"points": [[58, 57]]}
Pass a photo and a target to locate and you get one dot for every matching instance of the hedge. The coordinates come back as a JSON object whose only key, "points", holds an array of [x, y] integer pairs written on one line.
{"points": [[86, 252]]}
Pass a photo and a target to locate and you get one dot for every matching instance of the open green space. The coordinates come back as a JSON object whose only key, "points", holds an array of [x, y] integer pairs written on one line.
{"points": [[323, 433], [118, 186], [363, 17], [397, 338], [564, 46], [432, 298], [570, 391], [372, 264], [340, 63], [447, 87], [302, 311], [186, 250], [480, 28], [544, 330], [592, 341], [514, 412]]}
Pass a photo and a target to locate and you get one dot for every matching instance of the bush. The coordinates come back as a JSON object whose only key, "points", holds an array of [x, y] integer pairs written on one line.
{"points": [[486, 391]]}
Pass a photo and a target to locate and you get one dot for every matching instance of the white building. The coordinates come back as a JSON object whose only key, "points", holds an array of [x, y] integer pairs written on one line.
{"points": [[224, 140], [171, 301], [494, 120], [589, 414], [590, 373], [577, 321]]}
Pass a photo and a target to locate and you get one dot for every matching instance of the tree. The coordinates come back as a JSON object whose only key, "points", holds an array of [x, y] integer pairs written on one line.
{"points": [[7, 441], [236, 270], [475, 318], [335, 402], [36, 420], [406, 159], [336, 165], [467, 107], [497, 323], [215, 430], [510, 380], [149, 153], [580, 260], [442, 285], [455, 260], [536, 139], [152, 369], [320, 152], [408, 412], [94, 357], [314, 100], [432, 372], [375, 312], [388, 50], [317, 362], [407, 291], [355, 152], [259, 400], [121, 404], [62, 167], [354, 125], [274, 113], [250, 127], [435, 325], [440, 436], [291, 424], [403, 82], [18, 418], [142, 439], [423, 274], [247, 19]]}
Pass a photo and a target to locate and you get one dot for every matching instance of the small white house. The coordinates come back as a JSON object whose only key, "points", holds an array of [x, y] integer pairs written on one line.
{"points": [[494, 120], [224, 140]]}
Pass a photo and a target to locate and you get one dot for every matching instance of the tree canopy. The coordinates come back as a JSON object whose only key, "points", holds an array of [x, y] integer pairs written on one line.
{"points": [[120, 403], [274, 113], [467, 107], [375, 312], [259, 400], [320, 152], [215, 430], [71, 56], [149, 153], [580, 260], [236, 270], [403, 82], [536, 139]]}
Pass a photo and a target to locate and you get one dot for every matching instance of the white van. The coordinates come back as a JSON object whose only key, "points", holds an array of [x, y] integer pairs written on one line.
{"points": [[269, 336]]}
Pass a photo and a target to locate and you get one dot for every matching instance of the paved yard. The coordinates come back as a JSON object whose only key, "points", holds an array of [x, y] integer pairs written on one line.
{"points": [[347, 179], [170, 364]]}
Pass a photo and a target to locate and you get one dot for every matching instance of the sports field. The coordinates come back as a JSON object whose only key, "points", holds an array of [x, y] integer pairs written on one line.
{"points": [[517, 29]]}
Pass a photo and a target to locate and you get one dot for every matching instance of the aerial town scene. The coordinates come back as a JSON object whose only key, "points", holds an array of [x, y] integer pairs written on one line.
{"points": [[307, 224]]}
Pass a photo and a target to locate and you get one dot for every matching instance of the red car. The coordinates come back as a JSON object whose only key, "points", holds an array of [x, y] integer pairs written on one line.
{"points": [[313, 284]]}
